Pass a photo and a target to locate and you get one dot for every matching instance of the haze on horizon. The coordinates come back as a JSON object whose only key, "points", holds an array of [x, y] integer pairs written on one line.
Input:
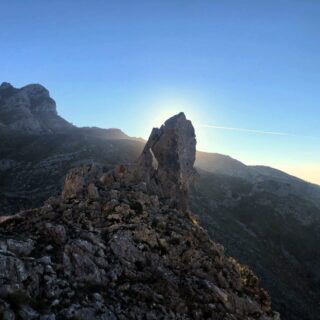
{"points": [[245, 72]]}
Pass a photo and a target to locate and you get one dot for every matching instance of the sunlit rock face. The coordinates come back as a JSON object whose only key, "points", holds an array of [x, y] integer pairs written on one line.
{"points": [[169, 156], [29, 109], [110, 247]]}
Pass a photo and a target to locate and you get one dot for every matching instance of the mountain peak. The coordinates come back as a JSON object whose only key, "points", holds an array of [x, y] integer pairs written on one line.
{"points": [[5, 85], [174, 119], [29, 109], [36, 89]]}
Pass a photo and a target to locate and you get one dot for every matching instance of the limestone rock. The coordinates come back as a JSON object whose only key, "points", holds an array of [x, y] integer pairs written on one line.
{"points": [[30, 109], [20, 248], [168, 158], [77, 182], [57, 233]]}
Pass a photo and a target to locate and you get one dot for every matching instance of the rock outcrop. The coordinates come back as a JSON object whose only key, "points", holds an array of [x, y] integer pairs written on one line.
{"points": [[168, 158], [112, 247], [30, 109]]}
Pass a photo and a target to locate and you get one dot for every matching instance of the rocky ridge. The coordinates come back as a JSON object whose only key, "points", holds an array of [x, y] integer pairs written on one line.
{"points": [[274, 216], [113, 247]]}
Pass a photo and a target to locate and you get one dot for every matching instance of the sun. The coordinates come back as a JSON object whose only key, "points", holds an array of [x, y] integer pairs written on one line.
{"points": [[166, 110]]}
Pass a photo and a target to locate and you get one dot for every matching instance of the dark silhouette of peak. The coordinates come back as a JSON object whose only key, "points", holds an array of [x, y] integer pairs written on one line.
{"points": [[6, 86]]}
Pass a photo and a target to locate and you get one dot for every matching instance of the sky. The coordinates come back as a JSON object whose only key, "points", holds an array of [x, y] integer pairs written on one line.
{"points": [[246, 72]]}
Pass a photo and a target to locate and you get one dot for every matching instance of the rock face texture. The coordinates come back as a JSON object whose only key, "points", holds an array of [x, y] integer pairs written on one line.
{"points": [[30, 109], [168, 158], [111, 247]]}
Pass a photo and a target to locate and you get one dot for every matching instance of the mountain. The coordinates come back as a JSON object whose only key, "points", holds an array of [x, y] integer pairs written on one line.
{"points": [[265, 218], [262, 177], [38, 147], [276, 232], [122, 244], [32, 167], [30, 109], [218, 163]]}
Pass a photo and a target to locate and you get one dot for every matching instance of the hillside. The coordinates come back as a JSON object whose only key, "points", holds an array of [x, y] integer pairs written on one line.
{"points": [[36, 153], [277, 235], [263, 177], [122, 245], [261, 215]]}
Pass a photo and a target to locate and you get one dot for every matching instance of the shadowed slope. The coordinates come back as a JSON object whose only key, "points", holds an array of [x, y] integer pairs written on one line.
{"points": [[111, 247]]}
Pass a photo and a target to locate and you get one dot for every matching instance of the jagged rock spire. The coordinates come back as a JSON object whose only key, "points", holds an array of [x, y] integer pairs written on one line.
{"points": [[168, 158]]}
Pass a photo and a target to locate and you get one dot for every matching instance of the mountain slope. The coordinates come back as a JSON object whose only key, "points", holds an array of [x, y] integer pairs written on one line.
{"points": [[218, 163], [264, 217], [263, 177], [277, 235], [114, 246], [37, 147], [34, 166]]}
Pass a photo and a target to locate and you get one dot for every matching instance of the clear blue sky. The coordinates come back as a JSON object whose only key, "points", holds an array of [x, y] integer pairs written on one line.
{"points": [[129, 64]]}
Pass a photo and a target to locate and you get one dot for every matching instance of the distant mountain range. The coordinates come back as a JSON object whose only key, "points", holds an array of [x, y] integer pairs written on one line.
{"points": [[260, 176], [264, 217]]}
